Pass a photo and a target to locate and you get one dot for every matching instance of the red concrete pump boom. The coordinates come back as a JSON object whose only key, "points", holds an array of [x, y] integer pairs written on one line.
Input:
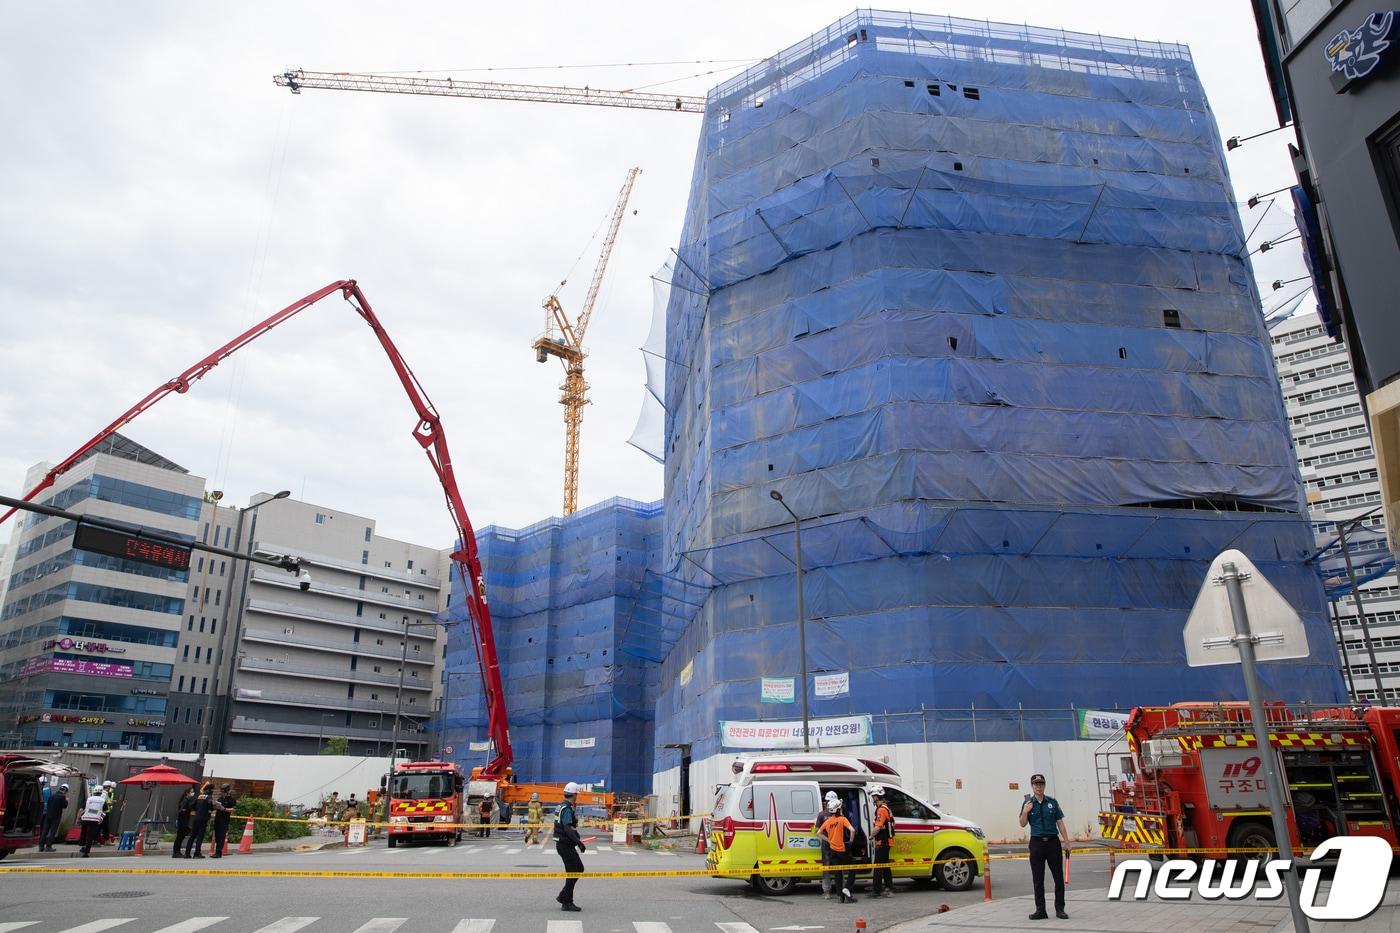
{"points": [[429, 435]]}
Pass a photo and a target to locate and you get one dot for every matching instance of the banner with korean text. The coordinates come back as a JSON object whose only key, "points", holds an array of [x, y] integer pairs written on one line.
{"points": [[833, 685], [822, 733], [778, 690], [1100, 724]]}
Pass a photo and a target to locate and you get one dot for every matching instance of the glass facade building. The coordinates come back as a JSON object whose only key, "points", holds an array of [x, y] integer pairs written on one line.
{"points": [[88, 642]]}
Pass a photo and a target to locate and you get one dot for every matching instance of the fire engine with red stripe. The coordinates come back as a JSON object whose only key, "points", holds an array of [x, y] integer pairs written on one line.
{"points": [[1194, 777]]}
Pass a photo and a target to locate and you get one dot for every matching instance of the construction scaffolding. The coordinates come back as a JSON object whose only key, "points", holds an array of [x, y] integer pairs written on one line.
{"points": [[975, 299]]}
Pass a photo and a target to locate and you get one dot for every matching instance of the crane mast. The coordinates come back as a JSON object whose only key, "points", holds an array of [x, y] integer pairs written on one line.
{"points": [[564, 339], [297, 80]]}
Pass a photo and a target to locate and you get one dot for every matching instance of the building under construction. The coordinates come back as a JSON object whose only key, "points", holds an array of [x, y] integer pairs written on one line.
{"points": [[974, 299]]}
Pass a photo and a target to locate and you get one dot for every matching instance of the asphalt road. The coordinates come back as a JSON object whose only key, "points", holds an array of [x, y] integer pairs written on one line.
{"points": [[133, 903]]}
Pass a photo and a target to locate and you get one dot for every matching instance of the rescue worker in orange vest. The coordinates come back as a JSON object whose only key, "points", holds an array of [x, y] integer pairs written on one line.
{"points": [[881, 836], [828, 876], [839, 834]]}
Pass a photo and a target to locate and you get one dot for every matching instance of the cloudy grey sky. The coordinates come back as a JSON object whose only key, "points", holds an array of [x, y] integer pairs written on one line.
{"points": [[158, 195]]}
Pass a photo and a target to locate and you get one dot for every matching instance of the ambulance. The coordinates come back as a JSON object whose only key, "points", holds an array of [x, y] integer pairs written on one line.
{"points": [[767, 818]]}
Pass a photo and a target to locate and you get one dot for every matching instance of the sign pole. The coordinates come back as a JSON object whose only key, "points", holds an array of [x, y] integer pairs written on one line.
{"points": [[1244, 640]]}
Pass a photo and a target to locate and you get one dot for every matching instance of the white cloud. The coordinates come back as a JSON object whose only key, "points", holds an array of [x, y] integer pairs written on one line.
{"points": [[158, 194]]}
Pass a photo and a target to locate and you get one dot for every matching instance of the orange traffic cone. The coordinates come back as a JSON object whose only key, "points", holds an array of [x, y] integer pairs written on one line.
{"points": [[700, 840], [245, 845], [140, 847]]}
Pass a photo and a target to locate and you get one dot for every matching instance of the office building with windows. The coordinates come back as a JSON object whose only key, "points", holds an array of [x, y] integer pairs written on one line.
{"points": [[300, 668], [88, 642], [1339, 473]]}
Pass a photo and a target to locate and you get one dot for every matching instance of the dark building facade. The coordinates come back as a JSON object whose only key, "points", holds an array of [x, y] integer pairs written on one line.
{"points": [[1333, 68]]}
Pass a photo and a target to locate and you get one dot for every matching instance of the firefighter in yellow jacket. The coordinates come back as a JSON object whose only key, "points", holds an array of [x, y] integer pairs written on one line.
{"points": [[534, 821]]}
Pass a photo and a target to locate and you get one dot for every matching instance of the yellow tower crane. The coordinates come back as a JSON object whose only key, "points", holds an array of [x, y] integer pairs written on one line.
{"points": [[564, 338]]}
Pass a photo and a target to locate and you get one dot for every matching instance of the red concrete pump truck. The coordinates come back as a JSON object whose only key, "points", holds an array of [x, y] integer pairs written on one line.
{"points": [[429, 435], [1194, 778]]}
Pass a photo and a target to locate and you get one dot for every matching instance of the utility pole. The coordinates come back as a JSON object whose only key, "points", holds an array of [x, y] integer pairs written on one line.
{"points": [[1342, 530], [801, 619]]}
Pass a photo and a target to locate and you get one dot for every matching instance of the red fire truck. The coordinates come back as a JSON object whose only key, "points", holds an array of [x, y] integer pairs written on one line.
{"points": [[1195, 778], [425, 802]]}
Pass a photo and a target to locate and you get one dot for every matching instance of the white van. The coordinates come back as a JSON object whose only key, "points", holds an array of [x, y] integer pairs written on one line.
{"points": [[764, 823]]}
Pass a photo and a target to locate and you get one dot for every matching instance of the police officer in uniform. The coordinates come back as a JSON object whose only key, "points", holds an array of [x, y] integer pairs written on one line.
{"points": [[568, 844], [1047, 824], [53, 817], [224, 805], [203, 807], [183, 811]]}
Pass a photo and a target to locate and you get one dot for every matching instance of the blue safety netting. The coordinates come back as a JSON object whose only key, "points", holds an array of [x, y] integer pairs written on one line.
{"points": [[975, 299], [561, 592]]}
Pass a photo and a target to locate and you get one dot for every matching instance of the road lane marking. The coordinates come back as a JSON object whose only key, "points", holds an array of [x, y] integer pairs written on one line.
{"points": [[512, 851], [287, 925], [192, 924], [383, 925], [564, 926], [7, 927], [473, 926], [97, 926], [736, 928], [650, 927]]}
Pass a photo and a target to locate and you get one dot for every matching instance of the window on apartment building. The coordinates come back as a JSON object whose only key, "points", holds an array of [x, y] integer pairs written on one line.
{"points": [[204, 685], [388, 563], [181, 688], [201, 623], [410, 565], [374, 696], [196, 652], [420, 597], [206, 594], [217, 594], [223, 567], [186, 656], [199, 716], [364, 557], [384, 588], [369, 533], [199, 566], [376, 669], [182, 745], [187, 714], [320, 519], [189, 626], [213, 623]]}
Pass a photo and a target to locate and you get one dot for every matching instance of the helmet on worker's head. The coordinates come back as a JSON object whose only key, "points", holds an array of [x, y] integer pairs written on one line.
{"points": [[534, 796], [570, 789], [877, 790], [109, 783], [831, 795], [834, 806], [63, 787]]}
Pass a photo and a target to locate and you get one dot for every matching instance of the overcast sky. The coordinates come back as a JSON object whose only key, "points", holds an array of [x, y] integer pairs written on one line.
{"points": [[158, 194]]}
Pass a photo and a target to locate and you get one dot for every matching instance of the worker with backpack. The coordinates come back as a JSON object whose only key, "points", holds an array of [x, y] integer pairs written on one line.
{"points": [[881, 836]]}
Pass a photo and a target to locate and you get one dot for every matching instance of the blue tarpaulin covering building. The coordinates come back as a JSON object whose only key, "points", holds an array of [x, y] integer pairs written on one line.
{"points": [[560, 594], [975, 299]]}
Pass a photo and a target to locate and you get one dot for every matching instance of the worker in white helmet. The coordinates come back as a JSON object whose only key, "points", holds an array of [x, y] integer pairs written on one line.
{"points": [[534, 820], [828, 877], [840, 835], [568, 844]]}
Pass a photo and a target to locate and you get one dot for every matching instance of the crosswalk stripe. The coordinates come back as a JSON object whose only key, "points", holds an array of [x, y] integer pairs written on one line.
{"points": [[650, 927], [564, 926], [383, 925], [626, 852], [99, 925], [512, 851], [192, 924], [736, 928], [473, 926], [287, 925], [7, 927], [605, 848]]}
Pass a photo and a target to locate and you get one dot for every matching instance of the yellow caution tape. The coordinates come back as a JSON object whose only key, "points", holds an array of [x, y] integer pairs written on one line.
{"points": [[583, 824]]}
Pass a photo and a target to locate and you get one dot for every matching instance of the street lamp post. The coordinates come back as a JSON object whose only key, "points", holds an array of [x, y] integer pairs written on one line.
{"points": [[225, 719], [398, 705], [801, 617], [321, 732], [1342, 530]]}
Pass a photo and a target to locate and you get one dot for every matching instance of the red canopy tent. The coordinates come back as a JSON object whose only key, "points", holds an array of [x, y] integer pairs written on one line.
{"points": [[152, 780]]}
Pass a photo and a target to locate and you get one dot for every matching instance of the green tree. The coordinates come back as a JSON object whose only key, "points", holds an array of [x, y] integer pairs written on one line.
{"points": [[336, 745]]}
